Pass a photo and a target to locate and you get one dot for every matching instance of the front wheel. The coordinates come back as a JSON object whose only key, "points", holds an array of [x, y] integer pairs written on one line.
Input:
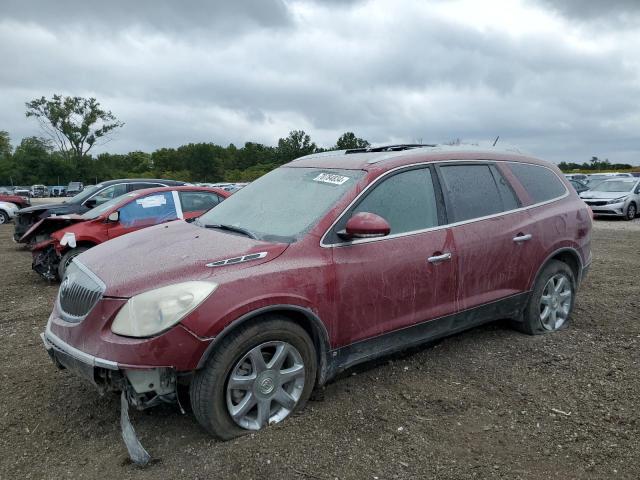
{"points": [[67, 258], [4, 218], [257, 376], [631, 212], [551, 300]]}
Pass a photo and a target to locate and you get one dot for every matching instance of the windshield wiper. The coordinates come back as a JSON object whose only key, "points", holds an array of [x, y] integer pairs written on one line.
{"points": [[232, 228]]}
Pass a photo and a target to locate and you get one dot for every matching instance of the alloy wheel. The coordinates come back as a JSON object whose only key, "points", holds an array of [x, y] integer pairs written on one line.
{"points": [[266, 384], [555, 302]]}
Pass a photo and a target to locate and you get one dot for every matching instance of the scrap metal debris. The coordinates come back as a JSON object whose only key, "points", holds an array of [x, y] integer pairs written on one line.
{"points": [[137, 453]]}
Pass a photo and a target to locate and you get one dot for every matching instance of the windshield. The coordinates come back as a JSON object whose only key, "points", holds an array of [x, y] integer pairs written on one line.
{"points": [[99, 210], [614, 186], [284, 204], [84, 194]]}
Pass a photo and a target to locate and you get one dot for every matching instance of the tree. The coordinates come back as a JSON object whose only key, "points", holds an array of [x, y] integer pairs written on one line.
{"points": [[75, 124], [349, 140], [297, 144], [5, 144]]}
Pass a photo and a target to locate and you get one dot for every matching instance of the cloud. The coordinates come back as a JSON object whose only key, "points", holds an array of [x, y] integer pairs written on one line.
{"points": [[389, 71]]}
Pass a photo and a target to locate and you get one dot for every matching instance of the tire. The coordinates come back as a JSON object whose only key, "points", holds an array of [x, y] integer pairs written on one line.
{"points": [[538, 316], [66, 259], [632, 211], [212, 399], [4, 217]]}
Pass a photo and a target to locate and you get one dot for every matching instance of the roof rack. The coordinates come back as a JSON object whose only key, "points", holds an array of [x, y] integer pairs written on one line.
{"points": [[389, 148]]}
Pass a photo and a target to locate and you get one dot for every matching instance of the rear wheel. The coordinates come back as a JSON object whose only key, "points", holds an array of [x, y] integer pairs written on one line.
{"points": [[4, 218], [66, 259], [631, 212], [258, 376], [551, 302]]}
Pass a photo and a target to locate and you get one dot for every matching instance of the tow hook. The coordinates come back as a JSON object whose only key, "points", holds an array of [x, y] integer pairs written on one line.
{"points": [[137, 452]]}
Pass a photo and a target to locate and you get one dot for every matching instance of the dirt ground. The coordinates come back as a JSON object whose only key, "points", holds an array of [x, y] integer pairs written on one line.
{"points": [[488, 403]]}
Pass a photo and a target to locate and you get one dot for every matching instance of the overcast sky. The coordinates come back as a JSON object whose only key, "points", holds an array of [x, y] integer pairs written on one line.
{"points": [[559, 79]]}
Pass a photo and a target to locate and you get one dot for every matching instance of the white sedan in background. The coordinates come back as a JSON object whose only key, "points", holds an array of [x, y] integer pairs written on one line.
{"points": [[618, 197], [7, 212]]}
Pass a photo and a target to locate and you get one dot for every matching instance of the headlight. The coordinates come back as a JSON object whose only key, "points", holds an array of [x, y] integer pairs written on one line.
{"points": [[617, 200], [153, 312]]}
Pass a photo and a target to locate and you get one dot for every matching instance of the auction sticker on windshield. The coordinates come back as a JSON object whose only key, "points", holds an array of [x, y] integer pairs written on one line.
{"points": [[331, 178]]}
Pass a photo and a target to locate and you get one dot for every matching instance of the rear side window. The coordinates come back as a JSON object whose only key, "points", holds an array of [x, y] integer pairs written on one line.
{"points": [[141, 185], [406, 200], [539, 182], [475, 191], [198, 201]]}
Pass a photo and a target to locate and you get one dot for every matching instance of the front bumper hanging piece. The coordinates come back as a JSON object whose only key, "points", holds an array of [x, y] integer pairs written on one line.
{"points": [[137, 452]]}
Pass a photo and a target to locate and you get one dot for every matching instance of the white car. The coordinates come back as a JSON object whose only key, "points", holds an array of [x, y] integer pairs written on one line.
{"points": [[7, 211], [618, 197]]}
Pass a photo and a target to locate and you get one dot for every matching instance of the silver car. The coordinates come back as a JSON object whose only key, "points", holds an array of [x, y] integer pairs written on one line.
{"points": [[7, 212], [618, 197]]}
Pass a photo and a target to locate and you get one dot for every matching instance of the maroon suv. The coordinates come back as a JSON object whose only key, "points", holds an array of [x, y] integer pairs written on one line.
{"points": [[328, 261]]}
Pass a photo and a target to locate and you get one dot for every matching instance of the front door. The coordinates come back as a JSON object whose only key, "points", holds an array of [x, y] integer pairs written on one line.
{"points": [[145, 211], [388, 283]]}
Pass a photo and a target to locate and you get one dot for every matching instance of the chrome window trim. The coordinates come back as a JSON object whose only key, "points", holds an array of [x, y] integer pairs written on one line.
{"points": [[439, 227]]}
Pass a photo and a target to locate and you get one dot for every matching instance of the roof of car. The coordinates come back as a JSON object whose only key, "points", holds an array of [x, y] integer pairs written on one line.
{"points": [[141, 180], [395, 155]]}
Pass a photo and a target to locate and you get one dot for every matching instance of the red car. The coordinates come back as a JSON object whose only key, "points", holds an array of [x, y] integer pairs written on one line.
{"points": [[67, 236], [328, 261], [18, 200]]}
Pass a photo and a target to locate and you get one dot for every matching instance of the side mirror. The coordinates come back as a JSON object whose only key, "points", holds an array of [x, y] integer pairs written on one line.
{"points": [[91, 203], [365, 225], [114, 216]]}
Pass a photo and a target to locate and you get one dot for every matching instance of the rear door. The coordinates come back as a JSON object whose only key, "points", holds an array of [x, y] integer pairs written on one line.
{"points": [[142, 212], [492, 233], [388, 283]]}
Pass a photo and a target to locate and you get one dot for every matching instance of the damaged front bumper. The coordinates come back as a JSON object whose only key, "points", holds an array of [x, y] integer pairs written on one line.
{"points": [[143, 387], [45, 262]]}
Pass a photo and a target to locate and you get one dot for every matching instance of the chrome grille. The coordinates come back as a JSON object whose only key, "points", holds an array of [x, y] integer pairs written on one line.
{"points": [[79, 292]]}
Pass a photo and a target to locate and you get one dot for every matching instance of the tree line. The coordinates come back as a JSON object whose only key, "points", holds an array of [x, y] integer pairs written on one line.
{"points": [[595, 164], [35, 160], [73, 126]]}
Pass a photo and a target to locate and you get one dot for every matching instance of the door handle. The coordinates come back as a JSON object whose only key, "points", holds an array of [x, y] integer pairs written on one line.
{"points": [[439, 258], [522, 238]]}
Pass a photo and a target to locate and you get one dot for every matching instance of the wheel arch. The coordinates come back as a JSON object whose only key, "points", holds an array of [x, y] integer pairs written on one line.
{"points": [[567, 255], [304, 317]]}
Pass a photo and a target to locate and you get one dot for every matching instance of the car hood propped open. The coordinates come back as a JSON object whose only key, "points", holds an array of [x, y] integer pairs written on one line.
{"points": [[170, 253]]}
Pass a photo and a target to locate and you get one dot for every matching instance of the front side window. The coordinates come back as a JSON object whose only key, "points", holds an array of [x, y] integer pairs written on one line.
{"points": [[475, 191], [540, 182], [148, 210], [406, 200], [109, 193], [141, 185], [198, 201]]}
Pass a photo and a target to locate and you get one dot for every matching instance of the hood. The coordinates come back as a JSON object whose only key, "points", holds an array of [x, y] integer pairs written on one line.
{"points": [[57, 208], [49, 225], [170, 253], [590, 194]]}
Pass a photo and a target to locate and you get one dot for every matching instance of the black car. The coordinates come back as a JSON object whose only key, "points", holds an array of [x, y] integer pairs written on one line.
{"points": [[87, 199]]}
